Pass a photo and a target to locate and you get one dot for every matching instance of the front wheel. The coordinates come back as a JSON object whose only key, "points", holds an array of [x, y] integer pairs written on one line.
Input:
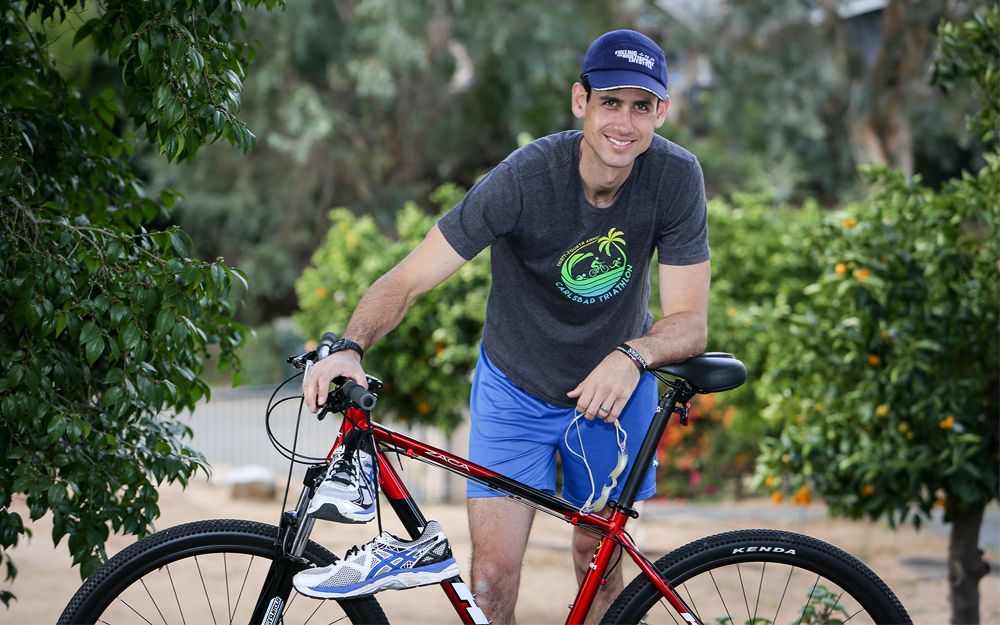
{"points": [[203, 572], [759, 577]]}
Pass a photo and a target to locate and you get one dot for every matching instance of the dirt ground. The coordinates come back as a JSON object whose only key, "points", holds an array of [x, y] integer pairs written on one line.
{"points": [[910, 562]]}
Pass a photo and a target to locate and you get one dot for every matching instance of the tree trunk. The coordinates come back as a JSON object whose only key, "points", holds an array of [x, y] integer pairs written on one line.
{"points": [[965, 563]]}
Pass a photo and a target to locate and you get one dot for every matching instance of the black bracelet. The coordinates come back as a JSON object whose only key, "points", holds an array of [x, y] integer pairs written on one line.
{"points": [[636, 357]]}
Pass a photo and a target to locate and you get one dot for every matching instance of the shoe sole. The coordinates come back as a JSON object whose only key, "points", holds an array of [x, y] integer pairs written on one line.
{"points": [[331, 512], [392, 581]]}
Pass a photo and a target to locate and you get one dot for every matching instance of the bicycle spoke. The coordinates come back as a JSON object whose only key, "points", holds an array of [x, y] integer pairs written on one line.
{"points": [[760, 590], [205, 588], [318, 606], [229, 598], [176, 598], [692, 603], [809, 597], [721, 598], [739, 574], [152, 600], [126, 604], [791, 571], [860, 610], [245, 577], [668, 609]]}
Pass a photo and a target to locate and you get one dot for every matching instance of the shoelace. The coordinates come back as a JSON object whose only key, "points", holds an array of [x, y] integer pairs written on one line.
{"points": [[344, 466], [366, 548]]}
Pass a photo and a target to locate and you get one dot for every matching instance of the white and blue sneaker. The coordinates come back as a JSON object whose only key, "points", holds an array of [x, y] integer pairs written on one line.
{"points": [[387, 562], [347, 492]]}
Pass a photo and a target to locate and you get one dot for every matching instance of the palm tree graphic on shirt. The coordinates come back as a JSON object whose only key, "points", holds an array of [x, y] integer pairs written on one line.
{"points": [[589, 274]]}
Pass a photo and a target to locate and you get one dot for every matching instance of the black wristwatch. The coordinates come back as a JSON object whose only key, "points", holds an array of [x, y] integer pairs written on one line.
{"points": [[343, 344]]}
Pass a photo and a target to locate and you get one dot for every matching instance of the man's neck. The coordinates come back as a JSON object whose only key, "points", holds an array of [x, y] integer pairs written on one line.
{"points": [[601, 184]]}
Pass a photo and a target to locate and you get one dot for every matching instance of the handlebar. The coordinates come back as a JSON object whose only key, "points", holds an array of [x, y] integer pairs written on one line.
{"points": [[359, 395], [347, 392], [325, 343]]}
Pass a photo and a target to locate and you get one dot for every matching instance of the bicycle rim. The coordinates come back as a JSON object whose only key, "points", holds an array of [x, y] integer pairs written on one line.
{"points": [[203, 572], [759, 577]]}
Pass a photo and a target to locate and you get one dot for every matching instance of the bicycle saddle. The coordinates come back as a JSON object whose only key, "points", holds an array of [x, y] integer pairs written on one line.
{"points": [[711, 372]]}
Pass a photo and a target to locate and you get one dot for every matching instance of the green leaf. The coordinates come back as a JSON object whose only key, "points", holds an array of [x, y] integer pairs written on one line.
{"points": [[164, 321], [111, 396], [190, 274], [94, 350], [118, 314], [144, 52], [89, 332], [178, 51], [219, 276], [178, 242], [131, 337], [162, 95]]}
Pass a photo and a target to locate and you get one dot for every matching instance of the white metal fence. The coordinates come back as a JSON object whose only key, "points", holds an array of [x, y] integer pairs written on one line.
{"points": [[230, 430]]}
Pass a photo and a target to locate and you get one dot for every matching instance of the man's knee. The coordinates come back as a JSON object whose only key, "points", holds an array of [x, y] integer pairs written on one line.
{"points": [[494, 574], [585, 543]]}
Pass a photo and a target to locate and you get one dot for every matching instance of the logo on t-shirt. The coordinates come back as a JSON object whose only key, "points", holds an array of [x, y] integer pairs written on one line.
{"points": [[595, 270]]}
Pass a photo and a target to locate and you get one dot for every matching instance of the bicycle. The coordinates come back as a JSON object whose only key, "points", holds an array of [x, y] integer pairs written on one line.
{"points": [[206, 571]]}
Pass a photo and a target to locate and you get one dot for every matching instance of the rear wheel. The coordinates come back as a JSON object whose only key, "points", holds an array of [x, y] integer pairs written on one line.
{"points": [[757, 577], [204, 572]]}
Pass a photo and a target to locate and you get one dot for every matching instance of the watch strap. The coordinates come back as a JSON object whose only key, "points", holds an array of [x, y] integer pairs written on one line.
{"points": [[343, 344]]}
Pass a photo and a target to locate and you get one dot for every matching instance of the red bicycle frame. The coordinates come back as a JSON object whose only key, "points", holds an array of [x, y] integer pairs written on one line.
{"points": [[611, 529]]}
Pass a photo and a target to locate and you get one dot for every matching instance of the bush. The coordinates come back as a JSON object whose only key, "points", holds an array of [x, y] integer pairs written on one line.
{"points": [[426, 363], [886, 390]]}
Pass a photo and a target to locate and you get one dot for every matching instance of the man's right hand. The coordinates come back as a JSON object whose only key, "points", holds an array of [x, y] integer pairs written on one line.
{"points": [[316, 382]]}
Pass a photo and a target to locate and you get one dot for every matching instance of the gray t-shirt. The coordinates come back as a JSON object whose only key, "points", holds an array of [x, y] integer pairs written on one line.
{"points": [[570, 281]]}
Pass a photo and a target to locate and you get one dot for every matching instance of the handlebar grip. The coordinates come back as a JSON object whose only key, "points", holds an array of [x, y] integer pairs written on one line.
{"points": [[325, 344], [359, 395]]}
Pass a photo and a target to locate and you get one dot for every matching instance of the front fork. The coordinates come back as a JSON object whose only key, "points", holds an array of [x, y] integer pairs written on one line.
{"points": [[293, 536]]}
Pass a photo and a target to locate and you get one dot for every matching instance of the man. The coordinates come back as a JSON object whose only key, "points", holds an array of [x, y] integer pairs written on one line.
{"points": [[572, 221]]}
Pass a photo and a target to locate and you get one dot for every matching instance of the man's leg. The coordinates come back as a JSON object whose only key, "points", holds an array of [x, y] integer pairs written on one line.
{"points": [[584, 546], [499, 529]]}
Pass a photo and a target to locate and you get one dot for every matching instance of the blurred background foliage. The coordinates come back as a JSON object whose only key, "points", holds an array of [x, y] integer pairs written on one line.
{"points": [[370, 117], [372, 105]]}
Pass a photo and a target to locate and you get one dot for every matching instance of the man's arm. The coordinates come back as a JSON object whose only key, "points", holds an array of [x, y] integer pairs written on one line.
{"points": [[680, 334], [381, 309]]}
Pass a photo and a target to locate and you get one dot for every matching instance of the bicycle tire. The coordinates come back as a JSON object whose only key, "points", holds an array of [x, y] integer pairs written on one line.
{"points": [[764, 575], [207, 571]]}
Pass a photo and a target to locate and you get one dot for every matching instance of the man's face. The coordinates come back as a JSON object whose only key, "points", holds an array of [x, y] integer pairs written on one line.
{"points": [[618, 125]]}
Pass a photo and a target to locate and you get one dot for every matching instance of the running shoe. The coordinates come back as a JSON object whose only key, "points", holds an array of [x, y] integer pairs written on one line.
{"points": [[347, 492], [386, 562]]}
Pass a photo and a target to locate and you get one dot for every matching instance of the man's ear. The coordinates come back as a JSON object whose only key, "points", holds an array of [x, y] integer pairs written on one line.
{"points": [[661, 111], [579, 100]]}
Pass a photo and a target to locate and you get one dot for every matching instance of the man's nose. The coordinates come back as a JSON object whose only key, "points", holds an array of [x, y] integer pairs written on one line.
{"points": [[623, 121]]}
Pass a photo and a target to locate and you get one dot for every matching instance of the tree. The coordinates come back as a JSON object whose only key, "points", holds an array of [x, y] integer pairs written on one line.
{"points": [[820, 91], [888, 395], [406, 97], [106, 324]]}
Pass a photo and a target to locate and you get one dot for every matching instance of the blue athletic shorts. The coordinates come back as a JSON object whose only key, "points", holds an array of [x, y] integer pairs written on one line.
{"points": [[517, 435]]}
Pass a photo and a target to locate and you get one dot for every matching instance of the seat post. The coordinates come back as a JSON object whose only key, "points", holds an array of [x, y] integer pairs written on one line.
{"points": [[647, 452]]}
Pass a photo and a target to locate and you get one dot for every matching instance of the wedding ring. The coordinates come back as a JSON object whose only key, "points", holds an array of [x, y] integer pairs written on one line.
{"points": [[605, 410]]}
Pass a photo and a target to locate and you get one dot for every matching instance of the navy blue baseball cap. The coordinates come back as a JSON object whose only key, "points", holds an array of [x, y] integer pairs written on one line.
{"points": [[625, 59]]}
